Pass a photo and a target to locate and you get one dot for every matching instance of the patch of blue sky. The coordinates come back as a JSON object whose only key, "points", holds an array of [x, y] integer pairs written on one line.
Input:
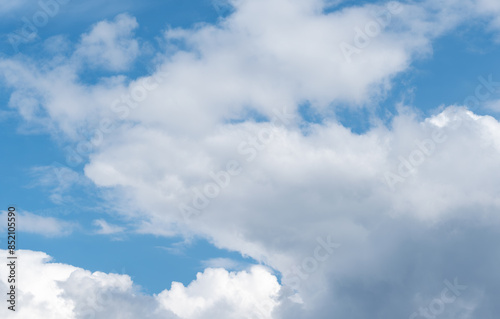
{"points": [[152, 262], [337, 5], [22, 152], [454, 72], [74, 18], [309, 114], [248, 114], [448, 77]]}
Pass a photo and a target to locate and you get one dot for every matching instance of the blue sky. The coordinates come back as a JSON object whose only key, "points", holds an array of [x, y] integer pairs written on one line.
{"points": [[378, 152]]}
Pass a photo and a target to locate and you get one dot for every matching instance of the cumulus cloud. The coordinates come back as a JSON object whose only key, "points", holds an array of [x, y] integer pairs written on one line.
{"points": [[231, 295], [110, 44], [52, 290], [374, 194]]}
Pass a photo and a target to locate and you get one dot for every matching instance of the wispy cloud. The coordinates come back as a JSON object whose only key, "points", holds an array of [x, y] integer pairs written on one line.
{"points": [[104, 228], [58, 180], [41, 225]]}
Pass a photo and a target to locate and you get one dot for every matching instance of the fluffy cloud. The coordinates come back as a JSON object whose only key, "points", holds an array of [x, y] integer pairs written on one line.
{"points": [[291, 56], [110, 45], [217, 293], [51, 290], [377, 194]]}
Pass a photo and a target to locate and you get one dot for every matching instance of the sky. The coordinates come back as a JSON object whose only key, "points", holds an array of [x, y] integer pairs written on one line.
{"points": [[254, 159]]}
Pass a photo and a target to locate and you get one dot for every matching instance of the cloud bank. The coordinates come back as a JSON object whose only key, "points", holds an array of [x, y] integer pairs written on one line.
{"points": [[52, 290]]}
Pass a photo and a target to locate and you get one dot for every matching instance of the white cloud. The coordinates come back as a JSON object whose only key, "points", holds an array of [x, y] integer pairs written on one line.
{"points": [[53, 290], [58, 179], [41, 225], [291, 56], [42, 98], [330, 182], [219, 294], [490, 8], [104, 228], [110, 45]]}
